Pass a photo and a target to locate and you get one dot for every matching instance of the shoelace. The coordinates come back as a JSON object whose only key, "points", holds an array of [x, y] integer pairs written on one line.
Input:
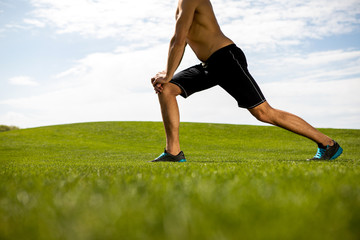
{"points": [[162, 155], [320, 152]]}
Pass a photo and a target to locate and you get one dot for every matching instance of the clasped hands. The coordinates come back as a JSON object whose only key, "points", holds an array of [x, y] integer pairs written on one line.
{"points": [[158, 81]]}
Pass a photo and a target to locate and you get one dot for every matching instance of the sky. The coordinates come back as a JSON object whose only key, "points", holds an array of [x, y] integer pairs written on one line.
{"points": [[67, 61]]}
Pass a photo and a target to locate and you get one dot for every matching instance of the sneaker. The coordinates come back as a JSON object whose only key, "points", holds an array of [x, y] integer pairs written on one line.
{"points": [[167, 157], [328, 153]]}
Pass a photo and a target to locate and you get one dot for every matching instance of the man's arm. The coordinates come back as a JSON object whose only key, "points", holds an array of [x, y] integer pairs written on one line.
{"points": [[177, 46]]}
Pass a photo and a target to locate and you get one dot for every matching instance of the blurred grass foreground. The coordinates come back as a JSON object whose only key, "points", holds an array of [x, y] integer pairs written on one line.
{"points": [[94, 181]]}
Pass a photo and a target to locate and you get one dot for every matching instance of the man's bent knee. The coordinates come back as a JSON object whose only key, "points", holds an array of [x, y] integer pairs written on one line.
{"points": [[171, 89], [262, 112]]}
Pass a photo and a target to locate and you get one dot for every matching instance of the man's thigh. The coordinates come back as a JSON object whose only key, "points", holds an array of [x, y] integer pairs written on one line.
{"points": [[192, 80]]}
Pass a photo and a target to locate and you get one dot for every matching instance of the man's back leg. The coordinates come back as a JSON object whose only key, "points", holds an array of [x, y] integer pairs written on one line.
{"points": [[265, 113]]}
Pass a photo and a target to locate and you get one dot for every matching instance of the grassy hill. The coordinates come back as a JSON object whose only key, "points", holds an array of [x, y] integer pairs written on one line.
{"points": [[94, 181]]}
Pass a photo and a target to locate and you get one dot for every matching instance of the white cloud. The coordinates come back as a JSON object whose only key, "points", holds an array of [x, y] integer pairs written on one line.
{"points": [[319, 58], [34, 22], [23, 81], [128, 20], [317, 67], [100, 87], [265, 24], [16, 119], [254, 23]]}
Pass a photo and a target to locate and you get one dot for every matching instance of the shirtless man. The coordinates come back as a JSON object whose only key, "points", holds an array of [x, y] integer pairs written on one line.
{"points": [[223, 64]]}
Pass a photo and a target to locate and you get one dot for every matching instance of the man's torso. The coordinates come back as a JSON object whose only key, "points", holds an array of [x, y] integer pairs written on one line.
{"points": [[205, 36]]}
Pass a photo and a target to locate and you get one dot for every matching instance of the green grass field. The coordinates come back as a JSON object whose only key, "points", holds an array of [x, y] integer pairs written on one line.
{"points": [[94, 181]]}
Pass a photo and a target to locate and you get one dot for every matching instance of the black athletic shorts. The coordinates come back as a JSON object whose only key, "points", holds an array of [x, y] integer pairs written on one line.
{"points": [[227, 68]]}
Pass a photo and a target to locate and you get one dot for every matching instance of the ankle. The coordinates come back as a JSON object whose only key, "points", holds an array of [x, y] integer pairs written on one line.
{"points": [[326, 143], [173, 152]]}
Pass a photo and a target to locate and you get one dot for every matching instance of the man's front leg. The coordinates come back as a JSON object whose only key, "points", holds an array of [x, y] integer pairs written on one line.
{"points": [[171, 116]]}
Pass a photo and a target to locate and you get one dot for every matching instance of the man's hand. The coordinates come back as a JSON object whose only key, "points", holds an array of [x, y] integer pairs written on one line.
{"points": [[158, 81]]}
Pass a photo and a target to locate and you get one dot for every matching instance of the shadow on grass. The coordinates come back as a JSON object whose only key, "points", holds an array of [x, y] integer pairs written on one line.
{"points": [[214, 161], [319, 161]]}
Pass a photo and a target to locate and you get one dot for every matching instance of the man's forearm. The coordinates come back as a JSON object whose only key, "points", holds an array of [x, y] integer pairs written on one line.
{"points": [[175, 55]]}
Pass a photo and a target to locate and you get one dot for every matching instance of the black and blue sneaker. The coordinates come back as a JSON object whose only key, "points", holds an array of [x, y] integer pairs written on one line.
{"points": [[167, 157], [328, 152]]}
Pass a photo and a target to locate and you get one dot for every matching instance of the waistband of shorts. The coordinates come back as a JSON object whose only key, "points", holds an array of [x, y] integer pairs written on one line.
{"points": [[219, 52]]}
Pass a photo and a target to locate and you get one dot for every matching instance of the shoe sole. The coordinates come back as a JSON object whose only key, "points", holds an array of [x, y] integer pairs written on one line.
{"points": [[182, 160]]}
